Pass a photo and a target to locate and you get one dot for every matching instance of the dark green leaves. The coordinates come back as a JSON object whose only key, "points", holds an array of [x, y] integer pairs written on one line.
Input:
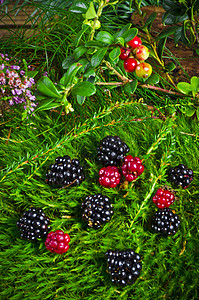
{"points": [[47, 87], [130, 87], [98, 56], [165, 33], [79, 7], [115, 53], [84, 89], [130, 34], [105, 37], [153, 79]]}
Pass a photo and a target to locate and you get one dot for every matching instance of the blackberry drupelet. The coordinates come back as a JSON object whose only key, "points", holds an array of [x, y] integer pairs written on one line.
{"points": [[64, 172], [112, 150], [97, 210], [33, 224], [123, 266], [165, 221], [181, 176]]}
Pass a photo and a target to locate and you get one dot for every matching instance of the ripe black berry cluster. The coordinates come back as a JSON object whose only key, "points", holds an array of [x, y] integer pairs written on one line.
{"points": [[123, 266], [165, 221], [33, 224], [181, 176], [65, 172], [97, 210], [134, 55], [111, 153]]}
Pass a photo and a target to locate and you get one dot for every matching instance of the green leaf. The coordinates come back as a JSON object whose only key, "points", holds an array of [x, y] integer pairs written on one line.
{"points": [[189, 111], [170, 66], [89, 71], [120, 40], [165, 33], [32, 74], [161, 45], [130, 87], [177, 34], [91, 13], [68, 61], [105, 37], [153, 79], [80, 99], [115, 53], [150, 20], [93, 44], [130, 34], [79, 7], [98, 56], [79, 35], [47, 87], [79, 51], [48, 104], [195, 83], [84, 88], [184, 87], [122, 31], [197, 113], [70, 74]]}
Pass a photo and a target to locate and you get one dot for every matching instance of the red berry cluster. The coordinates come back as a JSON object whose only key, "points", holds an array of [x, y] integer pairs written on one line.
{"points": [[57, 242], [134, 56], [111, 176], [163, 198]]}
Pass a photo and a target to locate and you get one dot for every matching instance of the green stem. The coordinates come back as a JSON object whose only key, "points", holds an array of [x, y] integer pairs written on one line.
{"points": [[99, 12]]}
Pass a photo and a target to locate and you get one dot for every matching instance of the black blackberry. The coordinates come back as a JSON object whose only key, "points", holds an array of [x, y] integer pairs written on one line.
{"points": [[123, 266], [97, 210], [65, 171], [165, 221], [33, 224], [181, 176], [112, 151]]}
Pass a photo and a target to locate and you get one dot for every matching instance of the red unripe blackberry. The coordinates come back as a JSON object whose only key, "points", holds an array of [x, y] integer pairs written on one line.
{"points": [[112, 150], [34, 224], [109, 177], [163, 198], [123, 266], [97, 210], [135, 42], [124, 54], [57, 242], [181, 176], [130, 64], [132, 167], [142, 52], [65, 172], [165, 221]]}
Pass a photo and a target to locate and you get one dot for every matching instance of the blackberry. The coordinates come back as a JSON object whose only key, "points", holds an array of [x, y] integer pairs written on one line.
{"points": [[112, 150], [165, 221], [181, 176], [123, 266], [64, 172], [132, 167], [33, 224], [57, 242], [163, 198], [97, 210]]}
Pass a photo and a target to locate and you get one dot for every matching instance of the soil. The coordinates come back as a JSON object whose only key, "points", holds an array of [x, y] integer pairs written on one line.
{"points": [[186, 55]]}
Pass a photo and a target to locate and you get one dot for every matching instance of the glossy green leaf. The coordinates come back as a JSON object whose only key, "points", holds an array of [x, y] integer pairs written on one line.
{"points": [[91, 13], [32, 74], [79, 7], [80, 99], [120, 40], [130, 34], [150, 20], [79, 51], [153, 79], [177, 34], [70, 74], [130, 87], [47, 87], [161, 46], [98, 56], [48, 104], [79, 35], [195, 83], [68, 61], [122, 31], [84, 89], [105, 37], [115, 53], [184, 87], [170, 66], [165, 33]]}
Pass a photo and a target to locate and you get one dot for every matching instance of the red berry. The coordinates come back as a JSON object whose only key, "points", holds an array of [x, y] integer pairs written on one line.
{"points": [[143, 70], [57, 242], [135, 42], [109, 176], [163, 198], [132, 167], [130, 64], [142, 52], [124, 54]]}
